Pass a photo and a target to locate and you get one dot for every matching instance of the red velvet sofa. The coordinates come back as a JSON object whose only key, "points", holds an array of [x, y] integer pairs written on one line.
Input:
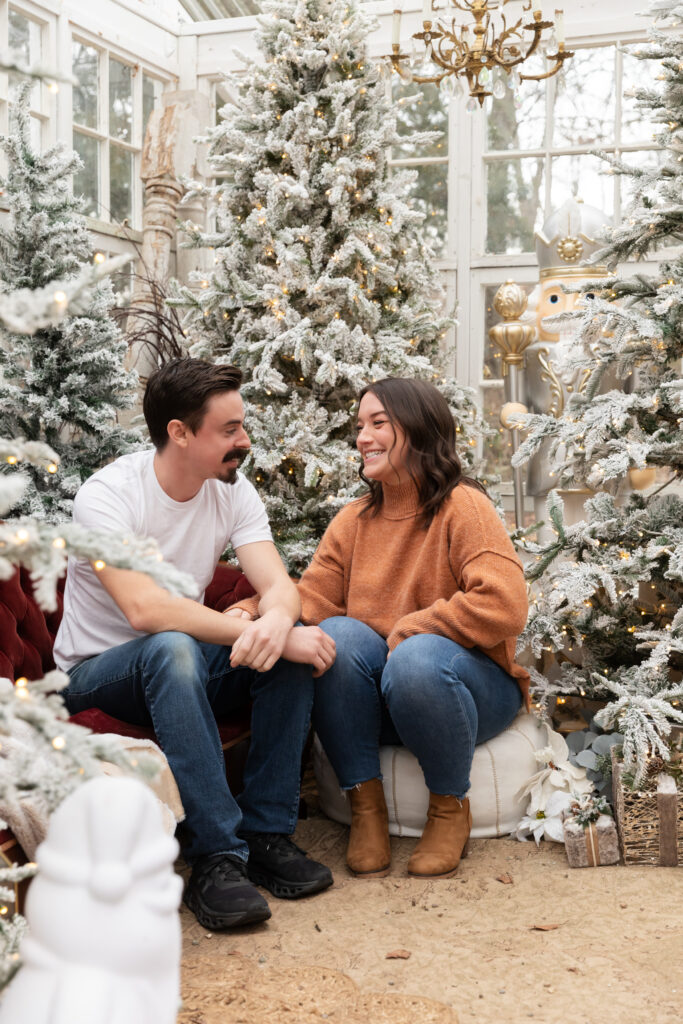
{"points": [[27, 635]]}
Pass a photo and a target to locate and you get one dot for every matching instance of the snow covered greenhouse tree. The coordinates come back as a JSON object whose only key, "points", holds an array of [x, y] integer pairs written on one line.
{"points": [[62, 384], [610, 588], [322, 279]]}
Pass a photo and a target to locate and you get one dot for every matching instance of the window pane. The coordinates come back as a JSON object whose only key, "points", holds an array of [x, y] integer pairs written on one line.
{"points": [[151, 92], [515, 199], [636, 126], [23, 37], [430, 194], [86, 181], [420, 108], [37, 134], [120, 101], [86, 72], [517, 121], [586, 177], [120, 183], [583, 113]]}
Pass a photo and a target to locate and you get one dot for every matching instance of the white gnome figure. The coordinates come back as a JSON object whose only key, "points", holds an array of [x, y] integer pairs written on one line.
{"points": [[103, 940]]}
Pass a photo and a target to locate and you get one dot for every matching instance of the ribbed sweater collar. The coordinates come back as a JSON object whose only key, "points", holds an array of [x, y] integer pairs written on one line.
{"points": [[400, 502]]}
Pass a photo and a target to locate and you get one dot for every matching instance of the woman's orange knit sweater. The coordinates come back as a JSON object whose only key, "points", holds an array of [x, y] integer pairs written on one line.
{"points": [[459, 578]]}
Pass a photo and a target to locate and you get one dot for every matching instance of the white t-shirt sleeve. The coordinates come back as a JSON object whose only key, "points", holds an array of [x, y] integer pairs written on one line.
{"points": [[250, 522], [100, 506]]}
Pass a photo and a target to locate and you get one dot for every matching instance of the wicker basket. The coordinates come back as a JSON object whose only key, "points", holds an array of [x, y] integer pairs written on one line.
{"points": [[650, 823]]}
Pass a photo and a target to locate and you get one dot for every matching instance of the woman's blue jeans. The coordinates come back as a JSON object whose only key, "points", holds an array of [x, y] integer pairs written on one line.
{"points": [[433, 696], [179, 685]]}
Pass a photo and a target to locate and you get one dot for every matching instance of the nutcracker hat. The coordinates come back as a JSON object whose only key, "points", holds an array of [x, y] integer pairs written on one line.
{"points": [[569, 237]]}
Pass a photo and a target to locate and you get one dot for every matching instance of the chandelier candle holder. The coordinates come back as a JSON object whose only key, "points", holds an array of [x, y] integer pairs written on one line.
{"points": [[475, 51]]}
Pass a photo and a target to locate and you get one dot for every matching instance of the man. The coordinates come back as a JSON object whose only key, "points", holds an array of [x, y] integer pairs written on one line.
{"points": [[144, 656]]}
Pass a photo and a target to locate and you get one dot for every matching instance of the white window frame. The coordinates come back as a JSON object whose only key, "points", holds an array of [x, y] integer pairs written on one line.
{"points": [[105, 140], [45, 23]]}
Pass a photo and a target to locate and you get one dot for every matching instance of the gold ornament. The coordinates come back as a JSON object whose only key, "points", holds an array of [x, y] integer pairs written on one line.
{"points": [[510, 410], [570, 248], [641, 479]]}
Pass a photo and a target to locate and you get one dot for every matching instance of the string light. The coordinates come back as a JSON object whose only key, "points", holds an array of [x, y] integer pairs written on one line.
{"points": [[99, 565]]}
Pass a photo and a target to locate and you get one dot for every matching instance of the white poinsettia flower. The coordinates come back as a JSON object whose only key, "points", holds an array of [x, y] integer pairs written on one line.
{"points": [[548, 823], [551, 790]]}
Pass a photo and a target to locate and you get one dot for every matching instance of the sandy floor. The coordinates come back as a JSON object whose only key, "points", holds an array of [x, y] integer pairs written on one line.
{"points": [[615, 952]]}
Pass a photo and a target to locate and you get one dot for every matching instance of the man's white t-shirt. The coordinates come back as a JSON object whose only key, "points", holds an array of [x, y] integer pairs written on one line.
{"points": [[126, 498]]}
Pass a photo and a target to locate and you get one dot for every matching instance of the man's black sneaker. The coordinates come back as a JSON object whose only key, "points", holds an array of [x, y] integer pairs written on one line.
{"points": [[278, 864], [220, 895]]}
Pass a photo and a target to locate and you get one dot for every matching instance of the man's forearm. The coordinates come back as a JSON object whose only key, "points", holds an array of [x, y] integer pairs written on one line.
{"points": [[282, 597], [186, 616]]}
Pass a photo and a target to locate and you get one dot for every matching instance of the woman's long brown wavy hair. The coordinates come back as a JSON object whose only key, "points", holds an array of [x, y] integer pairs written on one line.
{"points": [[422, 413]]}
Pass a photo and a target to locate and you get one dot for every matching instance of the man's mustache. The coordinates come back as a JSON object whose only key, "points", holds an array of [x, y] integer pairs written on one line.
{"points": [[236, 453]]}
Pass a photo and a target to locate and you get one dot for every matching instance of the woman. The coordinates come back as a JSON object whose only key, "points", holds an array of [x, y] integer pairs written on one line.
{"points": [[419, 586]]}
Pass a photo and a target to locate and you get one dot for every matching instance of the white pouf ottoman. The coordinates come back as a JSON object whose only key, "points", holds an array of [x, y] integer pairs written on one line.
{"points": [[501, 768]]}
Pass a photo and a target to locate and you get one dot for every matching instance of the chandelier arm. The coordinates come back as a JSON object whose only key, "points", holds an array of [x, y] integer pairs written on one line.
{"points": [[559, 59]]}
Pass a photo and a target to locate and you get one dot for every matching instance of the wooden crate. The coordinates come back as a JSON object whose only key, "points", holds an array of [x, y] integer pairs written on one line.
{"points": [[650, 822]]}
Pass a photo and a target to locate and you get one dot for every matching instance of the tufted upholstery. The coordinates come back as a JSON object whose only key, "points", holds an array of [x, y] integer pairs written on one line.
{"points": [[26, 632]]}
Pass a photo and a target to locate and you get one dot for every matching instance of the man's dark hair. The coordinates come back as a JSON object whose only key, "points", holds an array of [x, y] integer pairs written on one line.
{"points": [[180, 390]]}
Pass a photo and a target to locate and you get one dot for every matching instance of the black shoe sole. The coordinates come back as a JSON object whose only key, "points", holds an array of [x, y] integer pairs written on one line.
{"points": [[219, 922], [283, 889]]}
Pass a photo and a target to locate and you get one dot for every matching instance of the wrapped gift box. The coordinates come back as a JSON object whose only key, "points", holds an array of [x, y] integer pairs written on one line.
{"points": [[592, 845]]}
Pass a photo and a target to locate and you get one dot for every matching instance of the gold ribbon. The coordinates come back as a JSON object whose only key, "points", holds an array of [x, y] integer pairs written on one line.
{"points": [[592, 846]]}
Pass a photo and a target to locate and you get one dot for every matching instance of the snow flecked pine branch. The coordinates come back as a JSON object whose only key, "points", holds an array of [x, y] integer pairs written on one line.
{"points": [[322, 278], [63, 382], [609, 589]]}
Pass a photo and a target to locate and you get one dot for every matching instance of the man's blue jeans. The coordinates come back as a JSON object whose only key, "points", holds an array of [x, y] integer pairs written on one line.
{"points": [[433, 696], [179, 685]]}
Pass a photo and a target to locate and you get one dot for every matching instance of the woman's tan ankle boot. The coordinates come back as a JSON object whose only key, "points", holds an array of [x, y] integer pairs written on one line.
{"points": [[444, 840], [369, 852]]}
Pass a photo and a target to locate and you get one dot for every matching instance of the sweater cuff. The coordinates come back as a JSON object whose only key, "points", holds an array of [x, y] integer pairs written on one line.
{"points": [[247, 604], [394, 639]]}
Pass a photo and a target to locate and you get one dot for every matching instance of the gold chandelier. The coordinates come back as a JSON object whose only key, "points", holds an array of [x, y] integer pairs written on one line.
{"points": [[476, 55]]}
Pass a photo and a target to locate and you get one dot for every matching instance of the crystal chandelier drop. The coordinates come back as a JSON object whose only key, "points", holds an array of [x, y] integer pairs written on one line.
{"points": [[476, 50]]}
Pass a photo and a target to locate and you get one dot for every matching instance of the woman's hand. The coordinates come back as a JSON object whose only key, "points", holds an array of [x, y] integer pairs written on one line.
{"points": [[310, 645]]}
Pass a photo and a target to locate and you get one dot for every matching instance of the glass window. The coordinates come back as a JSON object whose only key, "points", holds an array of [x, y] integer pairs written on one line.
{"points": [[430, 193], [583, 111], [420, 108], [120, 183], [637, 73], [517, 121], [515, 191], [584, 176], [24, 41], [108, 113], [86, 65], [120, 101], [86, 181]]}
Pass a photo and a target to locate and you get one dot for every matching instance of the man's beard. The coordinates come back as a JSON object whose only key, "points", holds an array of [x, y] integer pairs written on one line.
{"points": [[230, 476]]}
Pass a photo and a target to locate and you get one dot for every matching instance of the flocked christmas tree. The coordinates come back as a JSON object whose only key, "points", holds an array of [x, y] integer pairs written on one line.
{"points": [[322, 279], [610, 592], [62, 384]]}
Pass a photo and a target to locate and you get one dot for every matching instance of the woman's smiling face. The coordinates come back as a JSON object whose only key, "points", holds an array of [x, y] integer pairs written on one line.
{"points": [[380, 442]]}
